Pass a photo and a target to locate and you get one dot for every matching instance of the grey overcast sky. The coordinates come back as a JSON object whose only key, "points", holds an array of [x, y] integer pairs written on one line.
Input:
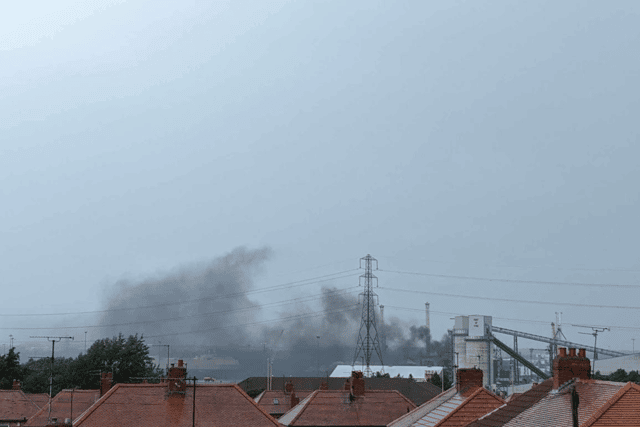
{"points": [[491, 139]]}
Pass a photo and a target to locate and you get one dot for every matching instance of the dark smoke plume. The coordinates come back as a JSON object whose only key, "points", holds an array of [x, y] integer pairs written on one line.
{"points": [[174, 308]]}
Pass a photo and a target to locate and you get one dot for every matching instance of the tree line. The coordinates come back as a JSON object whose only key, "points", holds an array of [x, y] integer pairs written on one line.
{"points": [[127, 358]]}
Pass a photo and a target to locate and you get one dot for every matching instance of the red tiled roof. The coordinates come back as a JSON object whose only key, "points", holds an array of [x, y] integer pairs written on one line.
{"points": [[336, 408], [516, 406], [451, 408], [622, 410], [62, 406], [539, 407], [417, 392], [15, 405], [40, 399], [266, 400], [217, 405], [481, 402]]}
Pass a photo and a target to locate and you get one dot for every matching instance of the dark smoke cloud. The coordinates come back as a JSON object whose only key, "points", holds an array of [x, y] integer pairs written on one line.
{"points": [[292, 344], [206, 287]]}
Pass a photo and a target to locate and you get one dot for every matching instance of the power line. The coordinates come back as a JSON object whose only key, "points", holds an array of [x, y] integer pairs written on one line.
{"points": [[282, 319], [527, 282], [289, 285], [622, 307], [337, 292]]}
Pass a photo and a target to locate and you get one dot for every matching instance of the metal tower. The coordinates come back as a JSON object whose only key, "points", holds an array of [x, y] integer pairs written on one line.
{"points": [[368, 340]]}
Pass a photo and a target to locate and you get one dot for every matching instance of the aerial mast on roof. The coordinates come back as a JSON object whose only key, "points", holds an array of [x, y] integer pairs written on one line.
{"points": [[53, 341], [368, 340]]}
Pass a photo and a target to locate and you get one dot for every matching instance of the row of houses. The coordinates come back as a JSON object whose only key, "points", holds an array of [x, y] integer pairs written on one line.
{"points": [[569, 398]]}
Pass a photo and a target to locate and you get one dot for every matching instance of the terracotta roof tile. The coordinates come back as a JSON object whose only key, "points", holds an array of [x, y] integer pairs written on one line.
{"points": [[335, 408], [62, 404], [481, 402], [15, 405], [451, 408], [542, 406], [219, 405], [40, 399], [416, 391], [622, 409]]}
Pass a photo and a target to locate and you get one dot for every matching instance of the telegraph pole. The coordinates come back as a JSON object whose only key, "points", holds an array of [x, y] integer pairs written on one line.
{"points": [[53, 341], [368, 340]]}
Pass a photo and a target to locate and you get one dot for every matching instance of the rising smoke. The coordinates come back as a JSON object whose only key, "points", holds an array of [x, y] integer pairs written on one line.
{"points": [[177, 309]]}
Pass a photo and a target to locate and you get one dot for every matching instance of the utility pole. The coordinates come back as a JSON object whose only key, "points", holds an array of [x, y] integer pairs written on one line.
{"points": [[11, 340], [193, 410], [318, 355], [633, 343], [53, 341], [595, 344], [368, 340]]}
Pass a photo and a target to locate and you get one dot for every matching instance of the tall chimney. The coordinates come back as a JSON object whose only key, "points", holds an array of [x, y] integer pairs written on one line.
{"points": [[177, 378], [106, 381], [468, 380], [567, 367]]}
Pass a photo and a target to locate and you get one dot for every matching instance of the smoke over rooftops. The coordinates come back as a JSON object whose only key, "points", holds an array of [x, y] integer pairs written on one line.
{"points": [[182, 301]]}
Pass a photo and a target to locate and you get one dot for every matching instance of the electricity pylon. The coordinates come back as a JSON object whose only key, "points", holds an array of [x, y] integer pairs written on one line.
{"points": [[368, 340]]}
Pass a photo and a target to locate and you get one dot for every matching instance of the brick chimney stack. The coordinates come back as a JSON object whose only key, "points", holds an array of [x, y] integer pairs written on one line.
{"points": [[106, 381], [16, 385], [567, 367], [357, 383], [176, 377], [468, 380], [288, 387]]}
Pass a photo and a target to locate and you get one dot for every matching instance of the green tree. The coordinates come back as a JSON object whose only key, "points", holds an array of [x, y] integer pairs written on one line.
{"points": [[10, 369], [38, 371], [437, 381], [127, 358]]}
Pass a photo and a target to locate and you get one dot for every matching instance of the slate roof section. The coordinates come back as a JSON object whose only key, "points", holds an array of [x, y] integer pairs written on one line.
{"points": [[417, 392], [431, 412], [217, 405], [62, 406], [16, 406], [623, 409], [267, 400], [451, 408], [340, 408]]}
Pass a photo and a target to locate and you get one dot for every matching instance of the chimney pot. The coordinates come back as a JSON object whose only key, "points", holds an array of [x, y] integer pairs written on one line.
{"points": [[16, 385], [582, 352], [567, 367], [180, 363]]}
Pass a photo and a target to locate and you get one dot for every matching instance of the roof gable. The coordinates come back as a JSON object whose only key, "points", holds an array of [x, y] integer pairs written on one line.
{"points": [[506, 413], [555, 408], [479, 403], [219, 405], [620, 410], [15, 405], [338, 408], [63, 404]]}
